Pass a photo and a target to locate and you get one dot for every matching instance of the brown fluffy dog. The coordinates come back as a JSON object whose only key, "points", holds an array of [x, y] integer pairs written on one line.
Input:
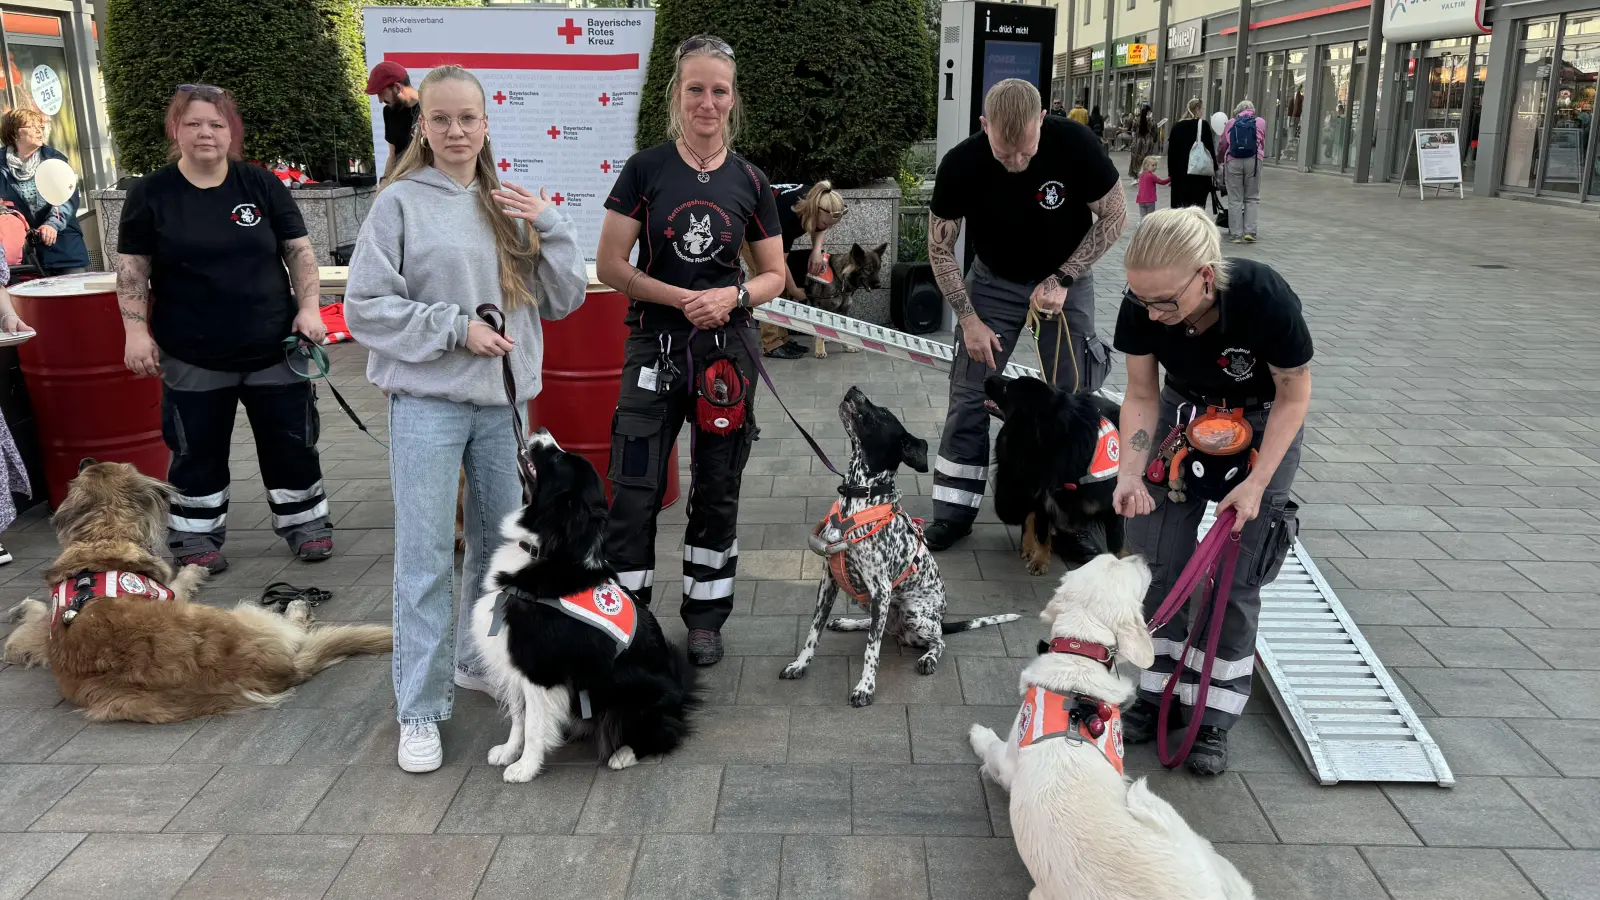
{"points": [[148, 660]]}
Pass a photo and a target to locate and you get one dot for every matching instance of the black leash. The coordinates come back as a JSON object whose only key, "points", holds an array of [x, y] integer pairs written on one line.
{"points": [[744, 335], [282, 593], [297, 345], [494, 318]]}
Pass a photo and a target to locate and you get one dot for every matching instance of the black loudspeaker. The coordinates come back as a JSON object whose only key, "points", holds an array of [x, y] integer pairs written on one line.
{"points": [[915, 303]]}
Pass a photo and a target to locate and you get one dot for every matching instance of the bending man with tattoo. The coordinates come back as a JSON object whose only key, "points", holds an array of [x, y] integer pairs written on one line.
{"points": [[1041, 202], [1231, 336], [209, 249]]}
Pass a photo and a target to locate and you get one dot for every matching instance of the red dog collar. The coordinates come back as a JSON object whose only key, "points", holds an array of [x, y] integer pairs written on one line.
{"points": [[1100, 653]]}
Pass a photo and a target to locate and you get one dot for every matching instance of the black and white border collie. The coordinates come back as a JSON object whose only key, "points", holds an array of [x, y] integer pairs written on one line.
{"points": [[558, 675]]}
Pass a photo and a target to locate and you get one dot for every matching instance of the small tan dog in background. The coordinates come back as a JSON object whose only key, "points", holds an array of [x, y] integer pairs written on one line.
{"points": [[1082, 830], [138, 658]]}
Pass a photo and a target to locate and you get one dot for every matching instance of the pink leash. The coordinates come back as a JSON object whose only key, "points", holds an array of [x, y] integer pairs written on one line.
{"points": [[1213, 560]]}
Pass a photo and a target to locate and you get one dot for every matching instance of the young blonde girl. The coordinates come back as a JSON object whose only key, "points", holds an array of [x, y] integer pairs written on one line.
{"points": [[445, 236], [1147, 185]]}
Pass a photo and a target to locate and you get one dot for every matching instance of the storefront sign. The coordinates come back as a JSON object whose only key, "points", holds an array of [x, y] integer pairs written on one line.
{"points": [[1097, 60], [1131, 53], [45, 85], [1083, 61], [563, 90], [1427, 20], [1185, 39]]}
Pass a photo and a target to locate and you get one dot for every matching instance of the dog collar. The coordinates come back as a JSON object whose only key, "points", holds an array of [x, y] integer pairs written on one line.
{"points": [[866, 492], [1100, 653]]}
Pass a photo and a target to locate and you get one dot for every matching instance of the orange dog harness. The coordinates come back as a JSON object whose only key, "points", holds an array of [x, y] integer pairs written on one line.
{"points": [[68, 597], [1107, 453], [1047, 715], [834, 535]]}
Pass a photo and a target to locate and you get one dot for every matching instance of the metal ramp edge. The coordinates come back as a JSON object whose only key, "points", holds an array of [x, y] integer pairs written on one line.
{"points": [[1347, 716]]}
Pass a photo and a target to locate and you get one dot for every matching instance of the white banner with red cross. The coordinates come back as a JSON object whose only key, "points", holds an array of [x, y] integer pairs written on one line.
{"points": [[563, 89]]}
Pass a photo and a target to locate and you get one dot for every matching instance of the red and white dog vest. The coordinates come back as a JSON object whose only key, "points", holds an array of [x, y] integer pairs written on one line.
{"points": [[87, 586], [607, 607], [1107, 453], [1047, 715]]}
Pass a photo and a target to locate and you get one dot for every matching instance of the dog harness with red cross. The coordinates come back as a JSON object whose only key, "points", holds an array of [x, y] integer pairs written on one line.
{"points": [[1107, 453], [1046, 714], [607, 607], [70, 596]]}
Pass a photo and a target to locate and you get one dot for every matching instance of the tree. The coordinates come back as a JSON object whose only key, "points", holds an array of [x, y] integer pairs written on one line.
{"points": [[296, 68], [831, 88]]}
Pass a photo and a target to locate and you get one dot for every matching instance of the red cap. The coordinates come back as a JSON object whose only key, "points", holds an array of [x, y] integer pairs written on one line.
{"points": [[385, 74]]}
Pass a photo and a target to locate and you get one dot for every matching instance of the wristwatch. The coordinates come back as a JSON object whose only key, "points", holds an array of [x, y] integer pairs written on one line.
{"points": [[1063, 279], [744, 298]]}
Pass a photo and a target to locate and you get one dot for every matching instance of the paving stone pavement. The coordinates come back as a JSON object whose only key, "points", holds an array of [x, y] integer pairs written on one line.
{"points": [[1448, 493]]}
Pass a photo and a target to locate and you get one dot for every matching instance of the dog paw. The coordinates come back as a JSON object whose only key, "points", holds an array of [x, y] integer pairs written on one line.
{"points": [[850, 349], [622, 759], [982, 737], [298, 611], [792, 671], [926, 663], [521, 772], [860, 697], [503, 754], [821, 354], [1038, 568]]}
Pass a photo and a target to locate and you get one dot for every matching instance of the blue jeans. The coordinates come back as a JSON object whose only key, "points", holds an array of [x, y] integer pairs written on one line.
{"points": [[429, 442]]}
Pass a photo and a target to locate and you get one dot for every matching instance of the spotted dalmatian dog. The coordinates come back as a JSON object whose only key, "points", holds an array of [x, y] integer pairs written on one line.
{"points": [[890, 569]]}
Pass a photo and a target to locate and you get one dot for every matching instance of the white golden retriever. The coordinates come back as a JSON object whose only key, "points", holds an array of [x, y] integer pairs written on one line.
{"points": [[1083, 831]]}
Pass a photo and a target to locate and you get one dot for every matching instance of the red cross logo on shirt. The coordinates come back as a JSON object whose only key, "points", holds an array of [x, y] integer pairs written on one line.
{"points": [[605, 166], [605, 99], [670, 233], [558, 199], [499, 98], [504, 166], [570, 32], [554, 132]]}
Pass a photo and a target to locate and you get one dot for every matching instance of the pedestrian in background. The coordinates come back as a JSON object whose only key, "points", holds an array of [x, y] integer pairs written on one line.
{"points": [[209, 246], [1243, 146], [391, 84], [444, 237], [1147, 186], [1190, 188], [23, 133], [803, 209]]}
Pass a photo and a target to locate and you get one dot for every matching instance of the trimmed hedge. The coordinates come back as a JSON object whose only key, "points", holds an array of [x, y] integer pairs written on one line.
{"points": [[296, 68], [831, 88]]}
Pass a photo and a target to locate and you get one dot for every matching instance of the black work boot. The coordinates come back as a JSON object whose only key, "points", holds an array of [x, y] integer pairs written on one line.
{"points": [[943, 534], [1209, 756], [1139, 722], [705, 646]]}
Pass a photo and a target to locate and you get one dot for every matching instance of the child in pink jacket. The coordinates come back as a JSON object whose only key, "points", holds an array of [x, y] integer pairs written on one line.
{"points": [[1147, 185]]}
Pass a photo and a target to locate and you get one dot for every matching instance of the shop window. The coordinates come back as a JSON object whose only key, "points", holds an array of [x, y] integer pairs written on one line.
{"points": [[1572, 111], [37, 77], [1524, 138]]}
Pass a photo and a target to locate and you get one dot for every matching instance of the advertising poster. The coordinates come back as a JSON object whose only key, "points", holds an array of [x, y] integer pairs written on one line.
{"points": [[563, 89], [1438, 156]]}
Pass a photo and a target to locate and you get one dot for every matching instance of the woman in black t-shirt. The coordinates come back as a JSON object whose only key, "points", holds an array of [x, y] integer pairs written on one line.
{"points": [[803, 209], [689, 205], [206, 305], [1231, 336]]}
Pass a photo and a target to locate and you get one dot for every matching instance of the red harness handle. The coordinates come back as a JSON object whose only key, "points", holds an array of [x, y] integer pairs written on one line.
{"points": [[1214, 560]]}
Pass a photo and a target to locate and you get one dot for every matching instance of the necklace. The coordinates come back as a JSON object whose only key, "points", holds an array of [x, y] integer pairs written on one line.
{"points": [[703, 162]]}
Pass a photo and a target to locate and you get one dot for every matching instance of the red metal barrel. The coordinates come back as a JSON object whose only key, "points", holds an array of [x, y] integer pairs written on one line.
{"points": [[87, 403], [582, 380]]}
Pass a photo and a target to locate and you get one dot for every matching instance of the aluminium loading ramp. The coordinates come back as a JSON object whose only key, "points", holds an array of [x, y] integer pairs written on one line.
{"points": [[1344, 711]]}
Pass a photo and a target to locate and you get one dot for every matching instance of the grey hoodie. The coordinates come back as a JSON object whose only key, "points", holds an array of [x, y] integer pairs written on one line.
{"points": [[424, 262]]}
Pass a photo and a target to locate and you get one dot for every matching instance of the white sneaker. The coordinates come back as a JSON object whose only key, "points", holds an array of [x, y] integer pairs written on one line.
{"points": [[5, 556], [472, 683], [420, 749]]}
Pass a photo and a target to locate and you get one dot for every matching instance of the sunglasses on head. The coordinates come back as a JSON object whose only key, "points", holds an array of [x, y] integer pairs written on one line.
{"points": [[705, 42], [204, 90]]}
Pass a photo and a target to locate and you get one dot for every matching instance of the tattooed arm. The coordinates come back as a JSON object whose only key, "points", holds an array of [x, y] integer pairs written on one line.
{"points": [[1141, 409], [139, 351], [981, 342], [1110, 216], [1285, 420], [301, 261]]}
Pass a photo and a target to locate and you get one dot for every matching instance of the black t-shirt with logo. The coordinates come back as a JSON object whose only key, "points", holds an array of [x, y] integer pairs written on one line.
{"points": [[1261, 325], [399, 123], [219, 292], [691, 231], [1025, 225]]}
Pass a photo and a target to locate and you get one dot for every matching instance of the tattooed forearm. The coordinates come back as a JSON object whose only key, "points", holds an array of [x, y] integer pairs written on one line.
{"points": [[942, 235], [133, 287], [1140, 440], [1110, 215], [303, 272]]}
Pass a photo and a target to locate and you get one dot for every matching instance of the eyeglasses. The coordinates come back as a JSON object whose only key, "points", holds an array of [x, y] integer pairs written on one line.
{"points": [[203, 90], [704, 42], [1167, 304], [471, 123]]}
